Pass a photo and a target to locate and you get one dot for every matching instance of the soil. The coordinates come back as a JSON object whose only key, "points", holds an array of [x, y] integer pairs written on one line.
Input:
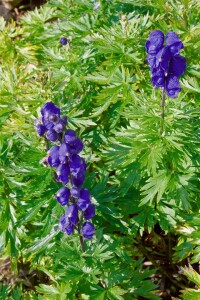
{"points": [[16, 12]]}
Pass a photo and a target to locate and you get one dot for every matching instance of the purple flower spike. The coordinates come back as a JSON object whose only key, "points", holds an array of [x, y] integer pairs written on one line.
{"points": [[63, 195], [177, 65], [70, 169], [172, 86], [71, 214], [53, 158], [89, 213], [84, 199], [63, 173], [52, 135], [166, 64], [174, 42], [154, 42], [41, 129], [88, 230]]}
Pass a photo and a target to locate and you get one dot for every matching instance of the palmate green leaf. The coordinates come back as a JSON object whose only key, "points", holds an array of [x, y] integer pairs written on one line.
{"points": [[155, 187], [192, 275], [31, 213], [41, 244], [96, 292], [191, 84], [116, 293], [47, 289], [191, 294]]}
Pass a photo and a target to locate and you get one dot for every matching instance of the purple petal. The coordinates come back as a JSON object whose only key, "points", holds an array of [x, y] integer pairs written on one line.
{"points": [[41, 129], [50, 108], [89, 213], [172, 86], [52, 135], [84, 199], [70, 136], [64, 120], [71, 214], [59, 126], [151, 59], [76, 164], [163, 58], [63, 153], [76, 146], [177, 65], [63, 41], [78, 180], [62, 223], [88, 230], [75, 192], [154, 42], [63, 195], [53, 158], [69, 229], [63, 173], [47, 124], [174, 42], [158, 78]]}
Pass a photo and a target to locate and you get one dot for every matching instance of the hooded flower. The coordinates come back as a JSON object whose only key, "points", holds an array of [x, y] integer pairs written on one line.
{"points": [[89, 213], [63, 173], [63, 195], [166, 64], [49, 111], [53, 158], [154, 42], [173, 42], [172, 86], [71, 214], [84, 199], [88, 230]]}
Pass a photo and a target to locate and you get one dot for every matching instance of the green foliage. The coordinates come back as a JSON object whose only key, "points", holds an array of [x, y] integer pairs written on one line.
{"points": [[142, 170], [193, 276]]}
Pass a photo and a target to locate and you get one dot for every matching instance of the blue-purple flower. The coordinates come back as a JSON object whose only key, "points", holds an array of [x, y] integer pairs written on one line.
{"points": [[63, 41], [88, 230], [166, 64], [63, 195], [70, 168]]}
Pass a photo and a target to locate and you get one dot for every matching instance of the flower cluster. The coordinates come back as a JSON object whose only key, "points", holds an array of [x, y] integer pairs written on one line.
{"points": [[70, 169], [166, 64]]}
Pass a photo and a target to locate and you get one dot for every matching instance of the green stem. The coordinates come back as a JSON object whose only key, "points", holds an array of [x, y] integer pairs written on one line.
{"points": [[163, 110], [163, 104], [81, 238]]}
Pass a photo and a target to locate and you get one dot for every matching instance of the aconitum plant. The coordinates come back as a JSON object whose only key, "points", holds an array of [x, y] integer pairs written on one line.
{"points": [[166, 64], [70, 169]]}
